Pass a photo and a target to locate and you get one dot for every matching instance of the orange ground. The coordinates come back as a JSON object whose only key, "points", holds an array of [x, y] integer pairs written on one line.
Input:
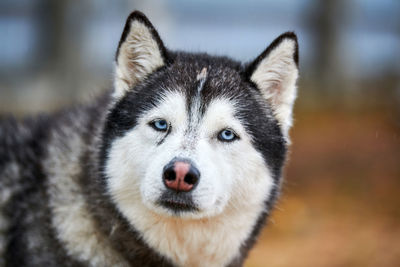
{"points": [[341, 200]]}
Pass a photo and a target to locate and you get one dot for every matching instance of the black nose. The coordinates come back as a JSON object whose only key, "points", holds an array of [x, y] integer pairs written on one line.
{"points": [[180, 175]]}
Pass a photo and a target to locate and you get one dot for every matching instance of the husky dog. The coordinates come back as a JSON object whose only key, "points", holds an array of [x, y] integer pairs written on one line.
{"points": [[178, 165]]}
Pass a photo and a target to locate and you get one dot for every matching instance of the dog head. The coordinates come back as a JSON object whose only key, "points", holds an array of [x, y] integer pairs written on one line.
{"points": [[196, 136]]}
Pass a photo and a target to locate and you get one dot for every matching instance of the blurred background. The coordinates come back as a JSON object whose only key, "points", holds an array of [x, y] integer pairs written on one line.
{"points": [[341, 200]]}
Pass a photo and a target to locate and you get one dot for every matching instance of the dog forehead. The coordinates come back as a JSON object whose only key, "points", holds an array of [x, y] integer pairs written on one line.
{"points": [[218, 76]]}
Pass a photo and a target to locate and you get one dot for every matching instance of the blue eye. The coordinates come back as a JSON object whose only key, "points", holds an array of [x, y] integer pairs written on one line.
{"points": [[227, 135], [159, 125]]}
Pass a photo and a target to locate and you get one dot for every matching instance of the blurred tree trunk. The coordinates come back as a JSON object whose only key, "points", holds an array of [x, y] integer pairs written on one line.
{"points": [[326, 23], [60, 46]]}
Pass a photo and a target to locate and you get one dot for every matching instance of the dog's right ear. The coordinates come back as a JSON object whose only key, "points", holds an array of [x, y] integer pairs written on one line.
{"points": [[140, 52], [275, 73]]}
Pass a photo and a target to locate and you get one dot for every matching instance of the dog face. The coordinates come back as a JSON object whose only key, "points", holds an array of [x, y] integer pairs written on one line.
{"points": [[195, 136]]}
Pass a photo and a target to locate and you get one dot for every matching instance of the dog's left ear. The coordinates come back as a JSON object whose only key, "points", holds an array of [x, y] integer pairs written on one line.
{"points": [[274, 73], [140, 52]]}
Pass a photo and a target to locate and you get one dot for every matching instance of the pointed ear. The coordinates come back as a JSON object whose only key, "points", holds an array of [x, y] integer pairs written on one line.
{"points": [[274, 73], [140, 52]]}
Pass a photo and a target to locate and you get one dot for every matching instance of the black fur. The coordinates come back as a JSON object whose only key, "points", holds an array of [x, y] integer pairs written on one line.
{"points": [[22, 143]]}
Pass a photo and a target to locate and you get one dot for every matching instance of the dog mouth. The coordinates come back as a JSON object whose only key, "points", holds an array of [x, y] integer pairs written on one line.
{"points": [[177, 202]]}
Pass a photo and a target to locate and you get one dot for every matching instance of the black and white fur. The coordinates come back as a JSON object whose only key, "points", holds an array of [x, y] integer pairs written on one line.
{"points": [[82, 187]]}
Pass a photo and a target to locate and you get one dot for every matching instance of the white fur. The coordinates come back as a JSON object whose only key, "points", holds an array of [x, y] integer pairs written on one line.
{"points": [[233, 186], [138, 56], [201, 77], [71, 219], [276, 77]]}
